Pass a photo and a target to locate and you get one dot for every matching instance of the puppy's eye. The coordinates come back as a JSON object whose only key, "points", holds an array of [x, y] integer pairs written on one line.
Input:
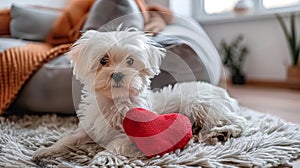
{"points": [[129, 61], [104, 60]]}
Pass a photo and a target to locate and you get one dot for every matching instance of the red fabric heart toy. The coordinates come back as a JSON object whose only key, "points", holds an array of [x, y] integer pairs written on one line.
{"points": [[157, 134]]}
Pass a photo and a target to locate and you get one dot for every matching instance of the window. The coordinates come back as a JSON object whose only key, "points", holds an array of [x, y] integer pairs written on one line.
{"points": [[279, 3], [223, 10], [225, 6], [219, 6]]}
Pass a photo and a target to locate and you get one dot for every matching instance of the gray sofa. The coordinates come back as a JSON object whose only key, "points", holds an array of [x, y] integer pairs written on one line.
{"points": [[190, 56]]}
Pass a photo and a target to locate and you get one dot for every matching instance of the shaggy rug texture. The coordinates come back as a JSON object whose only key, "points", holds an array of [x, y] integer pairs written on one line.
{"points": [[267, 142]]}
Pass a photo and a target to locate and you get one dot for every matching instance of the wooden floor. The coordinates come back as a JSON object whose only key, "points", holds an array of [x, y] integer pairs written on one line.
{"points": [[284, 103]]}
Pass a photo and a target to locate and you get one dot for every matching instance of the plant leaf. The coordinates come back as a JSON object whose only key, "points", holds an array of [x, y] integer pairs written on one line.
{"points": [[290, 36], [296, 61], [293, 38], [283, 26]]}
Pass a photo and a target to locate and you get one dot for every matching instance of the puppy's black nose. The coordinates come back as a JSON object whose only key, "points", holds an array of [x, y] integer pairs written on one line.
{"points": [[117, 77]]}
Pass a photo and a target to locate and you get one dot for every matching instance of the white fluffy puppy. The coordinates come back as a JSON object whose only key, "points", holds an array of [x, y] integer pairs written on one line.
{"points": [[116, 68]]}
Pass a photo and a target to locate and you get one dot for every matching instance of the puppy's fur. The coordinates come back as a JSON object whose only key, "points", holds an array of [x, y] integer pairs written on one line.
{"points": [[116, 68]]}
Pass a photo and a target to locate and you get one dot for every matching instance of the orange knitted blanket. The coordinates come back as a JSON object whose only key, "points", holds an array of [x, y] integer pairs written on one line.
{"points": [[18, 64]]}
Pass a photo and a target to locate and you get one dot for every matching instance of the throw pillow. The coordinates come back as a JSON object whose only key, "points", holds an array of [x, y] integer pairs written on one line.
{"points": [[4, 23], [67, 27], [109, 14], [31, 23]]}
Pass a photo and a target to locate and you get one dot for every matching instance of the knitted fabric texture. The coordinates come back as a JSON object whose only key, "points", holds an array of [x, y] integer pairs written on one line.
{"points": [[18, 64]]}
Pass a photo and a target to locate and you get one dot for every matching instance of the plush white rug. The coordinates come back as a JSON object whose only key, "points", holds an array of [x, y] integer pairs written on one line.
{"points": [[267, 142]]}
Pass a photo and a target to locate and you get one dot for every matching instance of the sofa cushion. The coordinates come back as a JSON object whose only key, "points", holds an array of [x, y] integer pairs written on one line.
{"points": [[50, 89], [6, 43], [31, 23], [195, 37], [115, 12]]}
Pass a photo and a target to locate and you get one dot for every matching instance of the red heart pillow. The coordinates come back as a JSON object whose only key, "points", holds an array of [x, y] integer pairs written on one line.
{"points": [[157, 134]]}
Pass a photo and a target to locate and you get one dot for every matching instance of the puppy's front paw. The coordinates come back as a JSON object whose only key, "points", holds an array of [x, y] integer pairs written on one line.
{"points": [[222, 134], [229, 130], [43, 152], [107, 158]]}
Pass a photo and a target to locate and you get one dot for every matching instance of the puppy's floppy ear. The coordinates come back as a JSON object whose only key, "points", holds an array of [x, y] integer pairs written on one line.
{"points": [[155, 53], [78, 55]]}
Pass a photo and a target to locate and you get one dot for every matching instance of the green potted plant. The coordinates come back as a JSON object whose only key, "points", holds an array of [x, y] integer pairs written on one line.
{"points": [[233, 57], [293, 72]]}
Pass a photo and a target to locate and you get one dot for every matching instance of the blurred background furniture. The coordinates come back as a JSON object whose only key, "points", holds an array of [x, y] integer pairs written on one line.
{"points": [[190, 56]]}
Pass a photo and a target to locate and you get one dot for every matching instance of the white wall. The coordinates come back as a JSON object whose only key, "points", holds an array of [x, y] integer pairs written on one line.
{"points": [[49, 3], [269, 53], [181, 7]]}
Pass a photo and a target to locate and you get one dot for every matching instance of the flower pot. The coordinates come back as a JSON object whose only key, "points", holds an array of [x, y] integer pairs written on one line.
{"points": [[238, 79], [244, 7], [293, 77]]}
